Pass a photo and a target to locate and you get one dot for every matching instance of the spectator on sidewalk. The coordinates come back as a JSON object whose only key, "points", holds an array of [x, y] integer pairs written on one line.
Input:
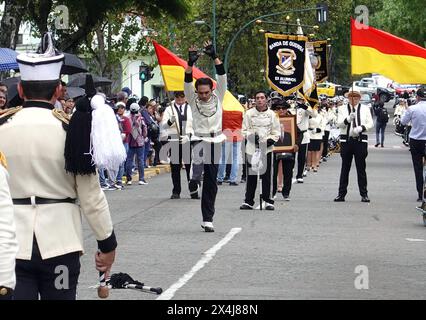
{"points": [[136, 144]]}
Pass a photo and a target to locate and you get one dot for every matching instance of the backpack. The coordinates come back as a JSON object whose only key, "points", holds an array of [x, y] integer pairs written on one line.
{"points": [[383, 115]]}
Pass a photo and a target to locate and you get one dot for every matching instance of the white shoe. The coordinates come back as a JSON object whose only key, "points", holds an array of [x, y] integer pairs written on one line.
{"points": [[266, 206], [129, 183], [305, 173], [143, 182], [299, 180], [207, 226]]}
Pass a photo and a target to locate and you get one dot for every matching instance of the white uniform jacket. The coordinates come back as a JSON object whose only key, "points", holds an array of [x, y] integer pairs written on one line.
{"points": [[33, 141], [207, 116], [174, 131], [316, 127], [266, 124], [8, 242], [363, 118]]}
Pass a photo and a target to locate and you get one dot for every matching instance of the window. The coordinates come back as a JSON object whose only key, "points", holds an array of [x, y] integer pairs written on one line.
{"points": [[20, 39]]}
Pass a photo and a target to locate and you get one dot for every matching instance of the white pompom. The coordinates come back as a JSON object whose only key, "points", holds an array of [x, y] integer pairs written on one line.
{"points": [[108, 151], [97, 101]]}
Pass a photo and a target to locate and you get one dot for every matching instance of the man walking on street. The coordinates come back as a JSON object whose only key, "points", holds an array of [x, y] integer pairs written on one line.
{"points": [[416, 114], [261, 129], [44, 192], [382, 118], [206, 106], [177, 128], [354, 119]]}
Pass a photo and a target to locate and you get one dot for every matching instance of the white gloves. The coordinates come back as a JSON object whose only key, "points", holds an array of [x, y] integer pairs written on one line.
{"points": [[351, 117], [357, 130]]}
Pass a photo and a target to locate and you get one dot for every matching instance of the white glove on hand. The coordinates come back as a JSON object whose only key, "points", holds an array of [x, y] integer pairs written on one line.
{"points": [[351, 117], [357, 130]]}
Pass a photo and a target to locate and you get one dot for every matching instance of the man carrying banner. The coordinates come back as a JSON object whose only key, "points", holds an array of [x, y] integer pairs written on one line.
{"points": [[354, 119], [206, 106]]}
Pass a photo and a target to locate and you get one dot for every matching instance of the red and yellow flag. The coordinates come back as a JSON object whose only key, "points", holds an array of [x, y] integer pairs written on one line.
{"points": [[380, 52], [173, 71]]}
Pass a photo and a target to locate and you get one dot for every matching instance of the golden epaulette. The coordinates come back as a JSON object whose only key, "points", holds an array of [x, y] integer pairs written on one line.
{"points": [[62, 116], [3, 161], [8, 113]]}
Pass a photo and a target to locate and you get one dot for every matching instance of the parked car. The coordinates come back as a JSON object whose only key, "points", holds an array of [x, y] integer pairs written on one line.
{"points": [[369, 85], [326, 88], [401, 88]]}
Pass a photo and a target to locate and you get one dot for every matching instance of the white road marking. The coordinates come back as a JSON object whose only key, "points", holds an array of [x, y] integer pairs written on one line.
{"points": [[207, 256], [415, 240]]}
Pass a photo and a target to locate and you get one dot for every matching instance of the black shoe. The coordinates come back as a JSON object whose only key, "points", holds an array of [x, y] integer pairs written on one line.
{"points": [[382, 146], [243, 180], [233, 184], [219, 183], [246, 206], [365, 199], [175, 196], [324, 159], [419, 199], [377, 144], [195, 196], [339, 199], [226, 179]]}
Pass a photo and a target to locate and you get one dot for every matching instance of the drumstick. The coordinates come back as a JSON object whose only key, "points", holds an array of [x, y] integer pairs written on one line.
{"points": [[103, 291]]}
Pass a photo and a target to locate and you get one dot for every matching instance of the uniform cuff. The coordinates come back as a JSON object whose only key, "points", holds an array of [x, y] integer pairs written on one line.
{"points": [[188, 77], [109, 244], [220, 69], [6, 293]]}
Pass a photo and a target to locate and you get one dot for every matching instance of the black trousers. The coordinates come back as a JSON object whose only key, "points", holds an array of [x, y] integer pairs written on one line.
{"points": [[53, 279], [301, 159], [358, 150], [211, 153], [176, 164], [266, 182], [288, 166], [325, 143], [417, 149]]}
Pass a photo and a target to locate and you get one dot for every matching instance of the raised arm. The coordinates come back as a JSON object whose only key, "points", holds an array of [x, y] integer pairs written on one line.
{"points": [[189, 89], [222, 81]]}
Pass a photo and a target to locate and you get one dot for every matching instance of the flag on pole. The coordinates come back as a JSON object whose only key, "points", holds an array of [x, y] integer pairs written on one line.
{"points": [[376, 51], [173, 72]]}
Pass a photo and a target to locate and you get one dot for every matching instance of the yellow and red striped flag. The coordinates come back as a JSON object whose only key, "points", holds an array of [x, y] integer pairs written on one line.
{"points": [[173, 71], [376, 51]]}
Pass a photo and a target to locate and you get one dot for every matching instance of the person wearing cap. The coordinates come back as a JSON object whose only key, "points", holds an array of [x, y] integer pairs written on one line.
{"points": [[416, 114], [206, 106], [47, 214], [138, 135], [8, 242], [354, 120], [176, 126]]}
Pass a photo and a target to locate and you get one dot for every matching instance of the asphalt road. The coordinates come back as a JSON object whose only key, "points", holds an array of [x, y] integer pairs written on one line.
{"points": [[308, 248]]}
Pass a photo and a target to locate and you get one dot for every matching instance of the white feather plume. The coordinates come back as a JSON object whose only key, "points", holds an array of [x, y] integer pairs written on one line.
{"points": [[107, 148]]}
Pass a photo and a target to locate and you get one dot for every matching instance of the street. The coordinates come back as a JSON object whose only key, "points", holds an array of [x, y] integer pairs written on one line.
{"points": [[308, 248]]}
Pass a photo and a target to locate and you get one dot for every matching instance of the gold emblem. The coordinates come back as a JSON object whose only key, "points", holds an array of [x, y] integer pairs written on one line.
{"points": [[286, 59], [3, 160]]}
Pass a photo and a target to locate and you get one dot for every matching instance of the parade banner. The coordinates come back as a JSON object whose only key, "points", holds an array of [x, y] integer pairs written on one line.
{"points": [[285, 62], [320, 60]]}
